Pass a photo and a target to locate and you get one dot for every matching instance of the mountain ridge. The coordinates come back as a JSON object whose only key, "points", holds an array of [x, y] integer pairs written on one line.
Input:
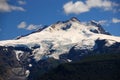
{"points": [[69, 33], [74, 19], [64, 41]]}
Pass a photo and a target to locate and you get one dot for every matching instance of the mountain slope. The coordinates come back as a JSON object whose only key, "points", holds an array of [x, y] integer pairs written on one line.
{"points": [[64, 41], [96, 67], [62, 34]]}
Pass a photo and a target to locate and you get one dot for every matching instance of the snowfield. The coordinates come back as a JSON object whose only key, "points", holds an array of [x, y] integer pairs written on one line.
{"points": [[59, 38]]}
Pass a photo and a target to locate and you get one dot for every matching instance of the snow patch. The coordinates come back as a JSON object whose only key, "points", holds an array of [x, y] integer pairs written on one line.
{"points": [[109, 43], [30, 65], [85, 44], [19, 54], [27, 72]]}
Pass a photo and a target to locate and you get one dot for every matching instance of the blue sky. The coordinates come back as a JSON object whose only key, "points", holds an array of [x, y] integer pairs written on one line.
{"points": [[20, 17]]}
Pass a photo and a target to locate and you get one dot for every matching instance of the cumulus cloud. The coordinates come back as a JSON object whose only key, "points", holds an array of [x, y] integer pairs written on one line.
{"points": [[6, 7], [81, 7], [77, 7], [116, 20], [32, 27], [105, 4], [23, 25]]}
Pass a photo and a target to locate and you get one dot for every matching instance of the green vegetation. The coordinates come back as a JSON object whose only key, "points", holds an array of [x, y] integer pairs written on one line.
{"points": [[42, 67], [92, 67], [100, 57]]}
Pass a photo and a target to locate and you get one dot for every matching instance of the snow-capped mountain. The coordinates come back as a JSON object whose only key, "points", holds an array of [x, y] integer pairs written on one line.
{"points": [[61, 37], [64, 40]]}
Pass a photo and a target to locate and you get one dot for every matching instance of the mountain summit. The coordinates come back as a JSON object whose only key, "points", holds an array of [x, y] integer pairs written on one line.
{"points": [[61, 37], [64, 41]]}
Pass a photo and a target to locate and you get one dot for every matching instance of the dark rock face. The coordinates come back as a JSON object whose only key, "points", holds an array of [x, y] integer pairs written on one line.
{"points": [[22, 48], [8, 64], [102, 31], [101, 48], [94, 31], [66, 27], [10, 67], [42, 66], [76, 55]]}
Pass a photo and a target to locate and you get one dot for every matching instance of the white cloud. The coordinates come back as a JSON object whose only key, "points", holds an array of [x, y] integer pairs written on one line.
{"points": [[81, 7], [5, 7], [22, 25], [77, 7], [21, 2], [102, 22], [32, 27], [105, 4], [115, 20]]}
